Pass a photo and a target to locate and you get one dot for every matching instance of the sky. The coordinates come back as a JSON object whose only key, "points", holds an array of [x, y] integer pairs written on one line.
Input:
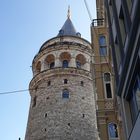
{"points": [[24, 26]]}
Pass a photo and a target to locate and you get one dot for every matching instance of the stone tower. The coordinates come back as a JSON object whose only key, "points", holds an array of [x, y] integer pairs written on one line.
{"points": [[62, 89]]}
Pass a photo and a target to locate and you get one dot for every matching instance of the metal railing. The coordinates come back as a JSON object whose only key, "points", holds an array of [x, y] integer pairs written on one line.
{"points": [[97, 22]]}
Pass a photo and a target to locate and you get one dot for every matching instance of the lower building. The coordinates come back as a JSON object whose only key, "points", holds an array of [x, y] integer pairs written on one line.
{"points": [[108, 118]]}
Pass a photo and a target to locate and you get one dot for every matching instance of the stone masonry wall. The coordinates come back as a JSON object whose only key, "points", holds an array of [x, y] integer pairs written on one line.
{"points": [[55, 118]]}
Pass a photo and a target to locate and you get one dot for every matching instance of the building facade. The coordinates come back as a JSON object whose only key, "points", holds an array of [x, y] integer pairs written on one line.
{"points": [[124, 30], [108, 117], [62, 89]]}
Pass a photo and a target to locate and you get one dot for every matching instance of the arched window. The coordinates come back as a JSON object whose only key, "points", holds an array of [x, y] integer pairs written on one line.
{"points": [[80, 60], [65, 94], [51, 65], [102, 44], [65, 64], [112, 131], [78, 64], [50, 61], [65, 58], [107, 85], [107, 77]]}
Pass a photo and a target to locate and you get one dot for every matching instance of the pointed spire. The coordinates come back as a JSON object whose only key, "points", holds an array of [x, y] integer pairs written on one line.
{"points": [[68, 28], [69, 14]]}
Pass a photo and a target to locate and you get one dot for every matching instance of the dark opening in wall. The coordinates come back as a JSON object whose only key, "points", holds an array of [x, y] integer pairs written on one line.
{"points": [[52, 65], [68, 124], [82, 83], [65, 81], [34, 101], [49, 83], [46, 115], [83, 115], [48, 98], [108, 90], [36, 88], [65, 64], [83, 98]]}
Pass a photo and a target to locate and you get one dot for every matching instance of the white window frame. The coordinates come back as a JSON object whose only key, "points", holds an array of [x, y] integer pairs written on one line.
{"points": [[110, 138], [108, 82]]}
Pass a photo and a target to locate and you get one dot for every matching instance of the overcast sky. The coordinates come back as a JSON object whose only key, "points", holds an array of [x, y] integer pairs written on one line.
{"points": [[24, 26]]}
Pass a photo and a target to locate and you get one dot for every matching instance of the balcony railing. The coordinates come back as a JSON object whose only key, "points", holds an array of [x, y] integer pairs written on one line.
{"points": [[97, 22]]}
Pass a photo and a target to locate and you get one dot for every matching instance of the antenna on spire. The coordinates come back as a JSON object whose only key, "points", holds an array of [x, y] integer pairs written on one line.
{"points": [[69, 15]]}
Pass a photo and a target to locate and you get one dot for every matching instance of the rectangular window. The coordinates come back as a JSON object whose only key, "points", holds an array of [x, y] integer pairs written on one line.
{"points": [[103, 50], [108, 90], [102, 44]]}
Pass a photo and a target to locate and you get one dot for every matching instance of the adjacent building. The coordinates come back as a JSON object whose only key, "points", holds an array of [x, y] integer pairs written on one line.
{"points": [[124, 30], [108, 117]]}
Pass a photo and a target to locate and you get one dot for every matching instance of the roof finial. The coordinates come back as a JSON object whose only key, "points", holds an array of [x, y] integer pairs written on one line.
{"points": [[68, 12]]}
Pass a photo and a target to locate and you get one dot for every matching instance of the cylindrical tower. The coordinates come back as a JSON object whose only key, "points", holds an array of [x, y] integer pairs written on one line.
{"points": [[62, 94]]}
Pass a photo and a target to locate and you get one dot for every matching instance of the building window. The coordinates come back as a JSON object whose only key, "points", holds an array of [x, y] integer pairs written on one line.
{"points": [[65, 81], [83, 115], [82, 83], [49, 83], [102, 41], [108, 90], [65, 94], [68, 124], [107, 85], [103, 50], [51, 65], [102, 44], [65, 58], [45, 115], [112, 130], [48, 98], [34, 101], [135, 100], [65, 64], [78, 64], [80, 61], [50, 61]]}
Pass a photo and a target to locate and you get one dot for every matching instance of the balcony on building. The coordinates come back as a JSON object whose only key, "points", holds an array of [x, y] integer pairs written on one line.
{"points": [[98, 22]]}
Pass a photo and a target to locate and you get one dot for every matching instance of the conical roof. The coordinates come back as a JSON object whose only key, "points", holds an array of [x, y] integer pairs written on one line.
{"points": [[68, 28]]}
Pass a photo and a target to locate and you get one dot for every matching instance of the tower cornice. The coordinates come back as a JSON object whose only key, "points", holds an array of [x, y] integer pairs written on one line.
{"points": [[46, 74], [62, 38]]}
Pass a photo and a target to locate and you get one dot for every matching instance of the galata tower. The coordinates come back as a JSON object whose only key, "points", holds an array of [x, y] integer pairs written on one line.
{"points": [[62, 89]]}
